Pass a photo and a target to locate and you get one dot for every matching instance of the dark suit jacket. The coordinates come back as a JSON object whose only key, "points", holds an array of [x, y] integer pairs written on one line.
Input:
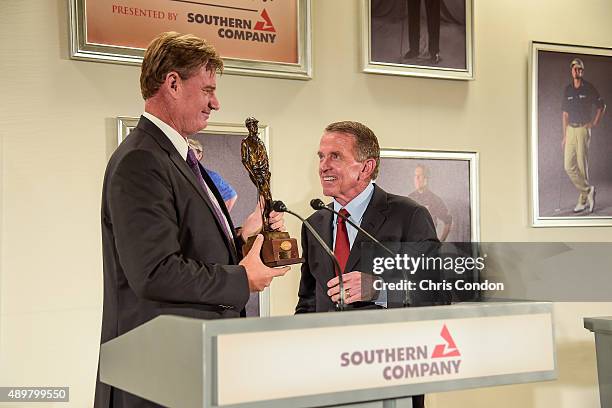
{"points": [[388, 217], [163, 248]]}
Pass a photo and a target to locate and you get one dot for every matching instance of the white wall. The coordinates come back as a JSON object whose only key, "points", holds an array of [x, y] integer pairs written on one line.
{"points": [[57, 131]]}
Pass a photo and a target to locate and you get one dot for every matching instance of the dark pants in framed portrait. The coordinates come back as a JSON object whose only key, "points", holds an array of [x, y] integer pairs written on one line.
{"points": [[429, 38]]}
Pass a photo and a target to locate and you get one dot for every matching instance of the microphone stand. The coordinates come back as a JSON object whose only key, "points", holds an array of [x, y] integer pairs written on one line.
{"points": [[279, 206]]}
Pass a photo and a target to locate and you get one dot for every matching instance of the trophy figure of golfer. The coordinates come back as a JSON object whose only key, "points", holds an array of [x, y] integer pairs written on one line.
{"points": [[278, 248]]}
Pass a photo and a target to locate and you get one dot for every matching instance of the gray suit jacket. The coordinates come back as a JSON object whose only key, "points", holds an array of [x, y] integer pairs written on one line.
{"points": [[388, 217], [163, 248]]}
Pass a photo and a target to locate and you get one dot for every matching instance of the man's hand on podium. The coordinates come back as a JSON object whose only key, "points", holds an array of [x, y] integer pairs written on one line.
{"points": [[358, 286]]}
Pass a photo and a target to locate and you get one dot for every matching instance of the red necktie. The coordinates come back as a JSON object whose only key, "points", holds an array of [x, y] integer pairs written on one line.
{"points": [[342, 248]]}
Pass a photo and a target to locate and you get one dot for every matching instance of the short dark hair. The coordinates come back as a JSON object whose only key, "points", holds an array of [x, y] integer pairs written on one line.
{"points": [[171, 51], [366, 143]]}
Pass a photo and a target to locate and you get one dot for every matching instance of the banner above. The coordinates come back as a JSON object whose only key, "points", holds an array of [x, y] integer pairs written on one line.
{"points": [[254, 37]]}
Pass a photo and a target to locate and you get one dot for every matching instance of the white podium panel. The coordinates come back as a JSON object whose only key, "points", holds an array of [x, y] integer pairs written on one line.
{"points": [[329, 359], [290, 363]]}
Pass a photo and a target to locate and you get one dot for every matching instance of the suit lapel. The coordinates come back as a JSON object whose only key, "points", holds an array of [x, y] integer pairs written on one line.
{"points": [[373, 218], [162, 140], [219, 199], [178, 161], [322, 223]]}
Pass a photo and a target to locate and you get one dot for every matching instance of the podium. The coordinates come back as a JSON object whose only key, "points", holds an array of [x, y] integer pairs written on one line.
{"points": [[602, 327], [365, 359]]}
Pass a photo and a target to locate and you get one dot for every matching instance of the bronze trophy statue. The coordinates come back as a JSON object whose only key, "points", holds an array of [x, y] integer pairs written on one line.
{"points": [[278, 248]]}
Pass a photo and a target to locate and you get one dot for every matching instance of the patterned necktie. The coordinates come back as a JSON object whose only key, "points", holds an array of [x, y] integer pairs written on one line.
{"points": [[342, 249], [192, 161]]}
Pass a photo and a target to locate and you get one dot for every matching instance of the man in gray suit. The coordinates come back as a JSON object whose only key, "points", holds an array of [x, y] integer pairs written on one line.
{"points": [[349, 157], [169, 245]]}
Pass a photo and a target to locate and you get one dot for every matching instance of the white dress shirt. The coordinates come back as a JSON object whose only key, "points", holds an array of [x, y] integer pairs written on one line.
{"points": [[182, 147]]}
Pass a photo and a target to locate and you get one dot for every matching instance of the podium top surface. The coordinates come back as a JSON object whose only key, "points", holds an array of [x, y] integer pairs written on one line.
{"points": [[598, 324], [349, 318]]}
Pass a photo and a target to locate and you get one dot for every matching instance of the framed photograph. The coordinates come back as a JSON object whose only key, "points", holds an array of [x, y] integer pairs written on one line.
{"points": [[254, 37], [425, 38], [220, 145], [446, 183], [570, 135]]}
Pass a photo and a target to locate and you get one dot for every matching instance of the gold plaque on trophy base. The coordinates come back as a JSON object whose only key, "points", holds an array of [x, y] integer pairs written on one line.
{"points": [[278, 249]]}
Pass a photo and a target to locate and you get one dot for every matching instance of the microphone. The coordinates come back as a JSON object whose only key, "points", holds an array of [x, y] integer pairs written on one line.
{"points": [[318, 204], [279, 206]]}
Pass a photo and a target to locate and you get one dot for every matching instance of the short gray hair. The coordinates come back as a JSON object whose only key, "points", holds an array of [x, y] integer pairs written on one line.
{"points": [[366, 143]]}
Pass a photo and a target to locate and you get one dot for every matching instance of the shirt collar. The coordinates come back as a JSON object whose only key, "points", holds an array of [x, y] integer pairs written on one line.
{"points": [[357, 206], [179, 142]]}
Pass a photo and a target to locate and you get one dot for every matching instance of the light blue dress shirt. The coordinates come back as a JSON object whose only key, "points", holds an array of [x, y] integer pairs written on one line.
{"points": [[356, 208]]}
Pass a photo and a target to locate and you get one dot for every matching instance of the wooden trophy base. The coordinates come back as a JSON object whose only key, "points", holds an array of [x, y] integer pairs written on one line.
{"points": [[278, 249]]}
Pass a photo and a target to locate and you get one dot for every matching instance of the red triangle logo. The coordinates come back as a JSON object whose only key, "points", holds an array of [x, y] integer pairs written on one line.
{"points": [[265, 25], [446, 350]]}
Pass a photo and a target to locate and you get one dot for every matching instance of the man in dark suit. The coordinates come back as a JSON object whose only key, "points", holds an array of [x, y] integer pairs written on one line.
{"points": [[349, 157], [168, 241]]}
